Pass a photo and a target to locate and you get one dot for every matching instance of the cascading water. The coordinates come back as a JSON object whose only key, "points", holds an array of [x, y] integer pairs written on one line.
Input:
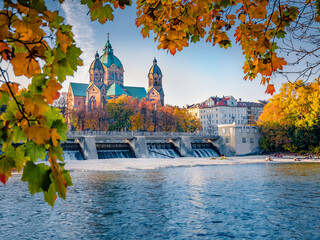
{"points": [[204, 150], [162, 150], [72, 151], [114, 150]]}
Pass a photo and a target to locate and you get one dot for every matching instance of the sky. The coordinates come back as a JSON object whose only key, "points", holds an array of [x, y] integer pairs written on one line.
{"points": [[190, 76]]}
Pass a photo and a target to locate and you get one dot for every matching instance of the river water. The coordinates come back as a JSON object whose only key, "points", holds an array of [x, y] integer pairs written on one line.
{"points": [[251, 201]]}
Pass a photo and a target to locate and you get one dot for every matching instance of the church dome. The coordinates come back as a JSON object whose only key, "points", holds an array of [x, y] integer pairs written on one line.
{"points": [[96, 64], [155, 69], [108, 58]]}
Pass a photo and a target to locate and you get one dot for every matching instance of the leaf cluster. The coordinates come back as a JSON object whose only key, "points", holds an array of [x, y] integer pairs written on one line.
{"points": [[257, 25]]}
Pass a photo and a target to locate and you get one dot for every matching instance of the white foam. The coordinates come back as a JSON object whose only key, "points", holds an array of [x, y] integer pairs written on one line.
{"points": [[127, 164]]}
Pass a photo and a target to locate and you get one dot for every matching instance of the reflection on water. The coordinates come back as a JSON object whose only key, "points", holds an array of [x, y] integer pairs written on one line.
{"points": [[258, 201]]}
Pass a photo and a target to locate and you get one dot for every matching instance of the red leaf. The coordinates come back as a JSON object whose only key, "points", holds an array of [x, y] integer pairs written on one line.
{"points": [[270, 89], [3, 178]]}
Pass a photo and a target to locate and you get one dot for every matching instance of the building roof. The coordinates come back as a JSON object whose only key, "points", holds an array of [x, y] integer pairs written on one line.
{"points": [[79, 89], [136, 92], [115, 90], [155, 68], [108, 58], [96, 64]]}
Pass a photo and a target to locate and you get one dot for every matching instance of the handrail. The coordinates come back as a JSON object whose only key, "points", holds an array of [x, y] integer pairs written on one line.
{"points": [[137, 133]]}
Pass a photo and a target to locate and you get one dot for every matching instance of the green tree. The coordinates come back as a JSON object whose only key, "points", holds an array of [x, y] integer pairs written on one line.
{"points": [[120, 111]]}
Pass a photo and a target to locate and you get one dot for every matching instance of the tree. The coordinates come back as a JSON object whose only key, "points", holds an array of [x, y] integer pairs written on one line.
{"points": [[120, 111], [61, 103], [37, 44], [291, 121]]}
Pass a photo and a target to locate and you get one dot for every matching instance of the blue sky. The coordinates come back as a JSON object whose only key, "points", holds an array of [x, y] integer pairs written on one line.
{"points": [[190, 76]]}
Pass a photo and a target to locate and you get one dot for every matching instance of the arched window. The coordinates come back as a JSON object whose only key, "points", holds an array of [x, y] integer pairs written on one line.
{"points": [[92, 103]]}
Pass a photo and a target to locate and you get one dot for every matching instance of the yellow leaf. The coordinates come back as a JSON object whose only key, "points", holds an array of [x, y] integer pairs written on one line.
{"points": [[54, 137], [242, 17], [14, 88], [64, 40], [58, 176], [25, 65], [39, 134], [4, 30], [50, 92]]}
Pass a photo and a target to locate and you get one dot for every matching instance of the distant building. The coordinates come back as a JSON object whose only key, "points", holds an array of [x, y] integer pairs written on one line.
{"points": [[215, 111], [106, 82], [238, 139], [254, 110], [226, 110]]}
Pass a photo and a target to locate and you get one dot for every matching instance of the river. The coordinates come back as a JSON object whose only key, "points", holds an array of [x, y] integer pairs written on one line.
{"points": [[250, 201]]}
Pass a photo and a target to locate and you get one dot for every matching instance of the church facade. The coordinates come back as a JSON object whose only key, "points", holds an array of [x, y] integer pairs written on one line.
{"points": [[106, 82]]}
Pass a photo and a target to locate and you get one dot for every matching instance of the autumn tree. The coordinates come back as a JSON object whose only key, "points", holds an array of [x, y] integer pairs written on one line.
{"points": [[36, 43], [291, 121], [95, 120], [266, 30], [120, 111]]}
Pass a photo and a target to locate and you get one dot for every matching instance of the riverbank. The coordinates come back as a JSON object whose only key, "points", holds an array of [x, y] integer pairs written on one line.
{"points": [[127, 164]]}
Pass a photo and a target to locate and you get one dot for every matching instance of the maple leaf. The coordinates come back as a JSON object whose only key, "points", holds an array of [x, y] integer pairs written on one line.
{"points": [[54, 137], [270, 89], [38, 177], [3, 177], [39, 134], [23, 64], [50, 92], [58, 176], [5, 51], [64, 40]]}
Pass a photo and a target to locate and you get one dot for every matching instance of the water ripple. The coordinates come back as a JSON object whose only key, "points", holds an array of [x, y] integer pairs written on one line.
{"points": [[214, 202]]}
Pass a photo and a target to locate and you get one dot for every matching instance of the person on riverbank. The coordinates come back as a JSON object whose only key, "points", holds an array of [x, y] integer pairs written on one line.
{"points": [[268, 159]]}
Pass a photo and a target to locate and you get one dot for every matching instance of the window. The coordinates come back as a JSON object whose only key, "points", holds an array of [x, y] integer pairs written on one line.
{"points": [[240, 130], [251, 140], [223, 130], [255, 130], [248, 130], [227, 140], [216, 121], [231, 130], [79, 103], [216, 114], [244, 140]]}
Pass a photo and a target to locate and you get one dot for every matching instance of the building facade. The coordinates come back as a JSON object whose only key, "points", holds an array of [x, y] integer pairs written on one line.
{"points": [[106, 81], [238, 139], [254, 110], [215, 111], [226, 110]]}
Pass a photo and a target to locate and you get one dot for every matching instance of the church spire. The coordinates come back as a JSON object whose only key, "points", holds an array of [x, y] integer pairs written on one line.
{"points": [[108, 48]]}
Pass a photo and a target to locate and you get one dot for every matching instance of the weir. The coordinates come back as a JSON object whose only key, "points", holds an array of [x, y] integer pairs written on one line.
{"points": [[103, 145], [114, 150], [72, 151], [163, 150], [201, 149]]}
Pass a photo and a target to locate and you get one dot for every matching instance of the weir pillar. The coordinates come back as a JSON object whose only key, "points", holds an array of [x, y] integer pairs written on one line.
{"points": [[89, 148], [139, 146], [183, 144]]}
